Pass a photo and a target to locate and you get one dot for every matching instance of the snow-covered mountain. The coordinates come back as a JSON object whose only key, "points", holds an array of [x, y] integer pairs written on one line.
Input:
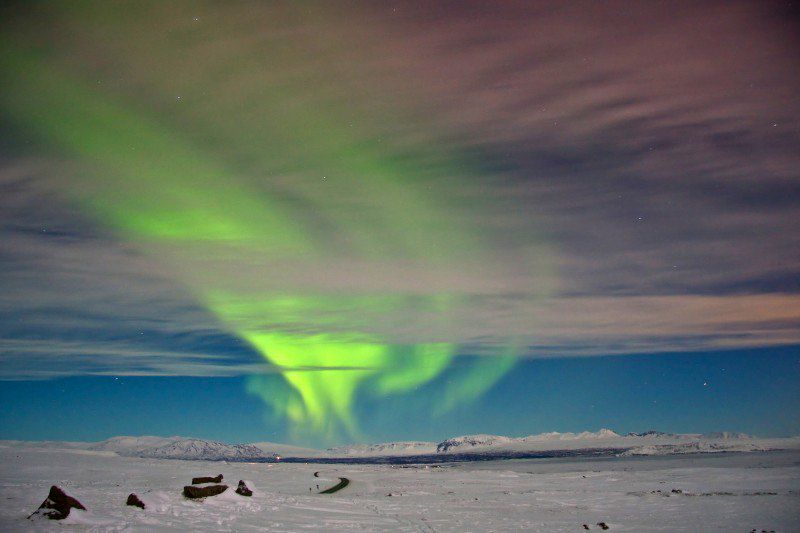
{"points": [[205, 450], [697, 447], [646, 443], [472, 441], [286, 450], [584, 435], [726, 435], [478, 443], [651, 433], [386, 448], [131, 446], [180, 448], [603, 440]]}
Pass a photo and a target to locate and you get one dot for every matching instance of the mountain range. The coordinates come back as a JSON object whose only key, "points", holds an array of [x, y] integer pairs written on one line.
{"points": [[645, 443]]}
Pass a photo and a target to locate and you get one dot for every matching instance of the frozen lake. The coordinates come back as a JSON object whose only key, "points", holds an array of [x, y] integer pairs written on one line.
{"points": [[718, 492]]}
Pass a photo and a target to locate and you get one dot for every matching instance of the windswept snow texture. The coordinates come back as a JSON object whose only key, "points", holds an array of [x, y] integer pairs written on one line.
{"points": [[724, 492]]}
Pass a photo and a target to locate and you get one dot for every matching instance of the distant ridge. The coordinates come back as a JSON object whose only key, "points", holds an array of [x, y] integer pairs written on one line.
{"points": [[650, 433], [604, 441], [387, 448], [181, 448]]}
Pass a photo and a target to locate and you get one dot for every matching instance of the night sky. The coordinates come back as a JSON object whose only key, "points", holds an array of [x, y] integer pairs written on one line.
{"points": [[328, 222]]}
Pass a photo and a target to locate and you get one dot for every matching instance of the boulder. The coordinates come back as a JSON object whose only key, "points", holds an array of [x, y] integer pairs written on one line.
{"points": [[201, 492], [243, 489], [57, 505], [134, 500], [206, 479]]}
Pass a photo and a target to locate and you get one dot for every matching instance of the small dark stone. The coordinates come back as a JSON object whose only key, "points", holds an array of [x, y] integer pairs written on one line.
{"points": [[206, 479], [134, 500], [57, 505], [602, 525], [677, 491], [585, 526], [243, 490], [201, 492]]}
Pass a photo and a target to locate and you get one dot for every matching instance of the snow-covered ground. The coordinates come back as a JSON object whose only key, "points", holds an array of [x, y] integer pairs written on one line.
{"points": [[718, 492]]}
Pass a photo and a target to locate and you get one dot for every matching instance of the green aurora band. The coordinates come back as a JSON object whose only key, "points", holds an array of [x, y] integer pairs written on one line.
{"points": [[181, 203]]}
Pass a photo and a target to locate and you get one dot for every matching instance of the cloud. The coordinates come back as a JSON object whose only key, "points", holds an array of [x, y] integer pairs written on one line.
{"points": [[601, 178]]}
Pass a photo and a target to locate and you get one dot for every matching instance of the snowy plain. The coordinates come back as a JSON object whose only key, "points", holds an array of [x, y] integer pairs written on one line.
{"points": [[722, 491]]}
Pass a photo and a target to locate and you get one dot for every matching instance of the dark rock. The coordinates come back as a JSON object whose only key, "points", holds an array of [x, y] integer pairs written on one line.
{"points": [[677, 491], [206, 479], [201, 492], [243, 490], [134, 500], [602, 525], [57, 505], [585, 526]]}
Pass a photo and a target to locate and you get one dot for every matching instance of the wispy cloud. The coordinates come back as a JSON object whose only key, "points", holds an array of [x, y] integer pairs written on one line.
{"points": [[628, 171]]}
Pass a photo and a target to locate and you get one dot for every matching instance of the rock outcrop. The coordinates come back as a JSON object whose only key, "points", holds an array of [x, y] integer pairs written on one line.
{"points": [[193, 492], [206, 479], [134, 500], [57, 505], [243, 489]]}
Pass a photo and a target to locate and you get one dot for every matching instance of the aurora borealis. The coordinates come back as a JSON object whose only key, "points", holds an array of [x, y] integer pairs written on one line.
{"points": [[362, 207], [189, 208]]}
